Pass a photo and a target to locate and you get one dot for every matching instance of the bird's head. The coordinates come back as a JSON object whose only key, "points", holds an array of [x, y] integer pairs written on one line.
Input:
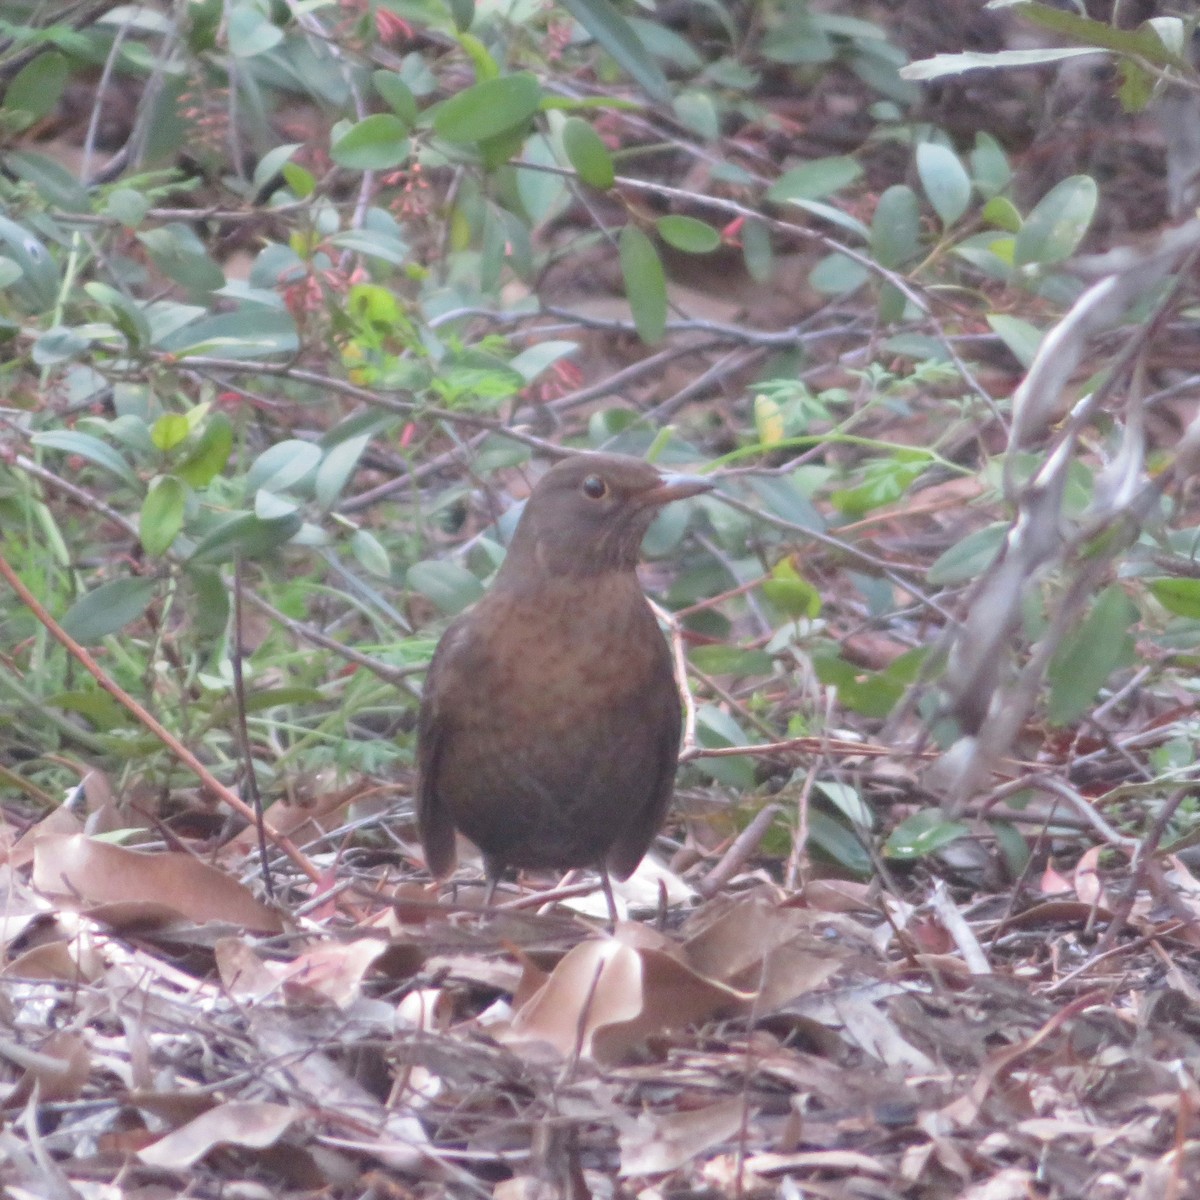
{"points": [[588, 515]]}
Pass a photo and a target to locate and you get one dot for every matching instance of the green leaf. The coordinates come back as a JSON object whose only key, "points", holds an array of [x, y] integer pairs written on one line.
{"points": [[645, 283], [110, 607], [337, 468], [815, 179], [896, 227], [398, 94], [37, 86], [250, 31], [1178, 596], [272, 163], [180, 255], [86, 446], [59, 344], [688, 234], [1001, 212], [54, 183], [945, 181], [790, 592], [757, 252], [449, 586], [370, 553], [488, 109], [40, 281], [169, 431], [989, 165], [968, 558], [127, 315], [1089, 655], [616, 35], [835, 216], [587, 153], [872, 694], [975, 60], [1143, 42], [838, 275], [376, 143], [210, 454], [162, 514], [247, 535], [463, 12], [281, 466], [1022, 338], [1054, 229], [730, 660], [838, 844], [923, 833]]}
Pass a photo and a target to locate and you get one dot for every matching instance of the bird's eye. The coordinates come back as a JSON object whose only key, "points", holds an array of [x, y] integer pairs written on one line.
{"points": [[595, 488]]}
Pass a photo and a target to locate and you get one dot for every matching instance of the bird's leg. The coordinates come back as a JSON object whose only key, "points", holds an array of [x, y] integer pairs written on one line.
{"points": [[493, 869], [606, 883]]}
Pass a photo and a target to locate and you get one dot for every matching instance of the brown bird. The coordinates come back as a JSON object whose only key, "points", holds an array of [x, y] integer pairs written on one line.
{"points": [[550, 721]]}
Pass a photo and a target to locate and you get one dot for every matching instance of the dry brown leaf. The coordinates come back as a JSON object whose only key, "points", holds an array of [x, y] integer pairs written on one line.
{"points": [[237, 1123], [753, 943], [847, 1162], [657, 1144], [332, 972], [96, 873], [245, 975], [60, 822], [58, 1068], [328, 973], [1088, 887], [837, 895], [606, 997]]}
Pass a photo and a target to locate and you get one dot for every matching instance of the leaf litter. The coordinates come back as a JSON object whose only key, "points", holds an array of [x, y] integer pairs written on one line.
{"points": [[165, 1030]]}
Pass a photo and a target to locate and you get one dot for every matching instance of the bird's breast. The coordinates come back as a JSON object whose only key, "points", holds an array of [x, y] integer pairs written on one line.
{"points": [[568, 650]]}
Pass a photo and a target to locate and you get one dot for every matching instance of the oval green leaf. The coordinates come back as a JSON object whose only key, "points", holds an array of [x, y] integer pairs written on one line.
{"points": [[645, 283], [449, 586], [923, 833], [588, 154], [376, 143], [37, 86], [1178, 596], [945, 181], [615, 34], [210, 454], [93, 449], [1089, 655], [488, 109], [1054, 229], [896, 227], [247, 535], [688, 234], [814, 180], [109, 608], [162, 514]]}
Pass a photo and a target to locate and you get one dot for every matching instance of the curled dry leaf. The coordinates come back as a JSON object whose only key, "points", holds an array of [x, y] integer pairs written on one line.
{"points": [[754, 943], [58, 1068], [238, 1123], [329, 973], [96, 873], [659, 1144], [606, 997]]}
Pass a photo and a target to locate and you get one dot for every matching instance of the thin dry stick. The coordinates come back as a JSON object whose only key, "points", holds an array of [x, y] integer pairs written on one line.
{"points": [[735, 857], [1141, 863], [679, 659], [144, 718]]}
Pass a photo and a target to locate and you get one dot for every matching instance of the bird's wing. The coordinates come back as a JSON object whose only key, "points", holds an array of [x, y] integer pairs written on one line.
{"points": [[433, 822], [662, 759]]}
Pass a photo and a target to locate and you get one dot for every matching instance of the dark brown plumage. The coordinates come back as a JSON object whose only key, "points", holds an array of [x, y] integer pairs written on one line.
{"points": [[550, 721]]}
